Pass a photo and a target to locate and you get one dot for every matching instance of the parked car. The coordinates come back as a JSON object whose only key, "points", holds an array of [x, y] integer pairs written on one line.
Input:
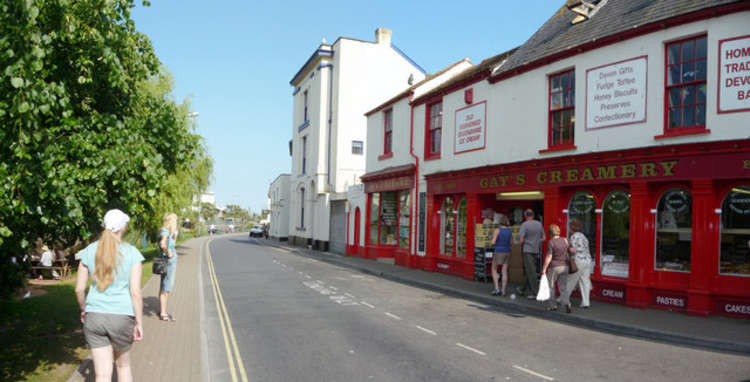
{"points": [[256, 231]]}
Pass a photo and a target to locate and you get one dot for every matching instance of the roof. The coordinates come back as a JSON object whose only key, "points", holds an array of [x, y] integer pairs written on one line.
{"points": [[389, 172], [408, 90], [482, 70], [614, 17]]}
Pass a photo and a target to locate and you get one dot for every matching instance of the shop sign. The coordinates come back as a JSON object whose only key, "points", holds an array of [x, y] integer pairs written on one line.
{"points": [[390, 184], [734, 74], [422, 220], [612, 292], [739, 202], [676, 201], [616, 93], [470, 128], [582, 204], [670, 301], [734, 308]]}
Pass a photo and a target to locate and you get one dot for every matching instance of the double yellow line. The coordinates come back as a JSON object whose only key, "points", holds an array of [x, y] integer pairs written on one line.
{"points": [[233, 354]]}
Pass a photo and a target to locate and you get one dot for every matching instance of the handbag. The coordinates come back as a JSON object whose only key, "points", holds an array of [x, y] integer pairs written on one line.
{"points": [[572, 266], [159, 266]]}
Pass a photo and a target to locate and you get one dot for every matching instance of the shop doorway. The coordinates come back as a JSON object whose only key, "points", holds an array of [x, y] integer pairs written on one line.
{"points": [[453, 225]]}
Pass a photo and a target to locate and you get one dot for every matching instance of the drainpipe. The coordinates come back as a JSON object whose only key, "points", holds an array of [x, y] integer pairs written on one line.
{"points": [[416, 169], [330, 120]]}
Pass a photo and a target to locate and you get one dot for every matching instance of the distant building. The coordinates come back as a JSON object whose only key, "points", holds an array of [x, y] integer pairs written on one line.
{"points": [[278, 200]]}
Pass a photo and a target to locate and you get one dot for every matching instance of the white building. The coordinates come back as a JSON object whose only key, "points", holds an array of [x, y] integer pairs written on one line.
{"points": [[278, 201], [332, 91]]}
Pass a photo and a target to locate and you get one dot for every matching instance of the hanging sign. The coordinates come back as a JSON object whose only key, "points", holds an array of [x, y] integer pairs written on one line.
{"points": [[616, 94], [734, 74], [470, 129]]}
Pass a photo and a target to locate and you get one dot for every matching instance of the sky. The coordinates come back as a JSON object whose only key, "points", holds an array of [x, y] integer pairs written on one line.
{"points": [[233, 61]]}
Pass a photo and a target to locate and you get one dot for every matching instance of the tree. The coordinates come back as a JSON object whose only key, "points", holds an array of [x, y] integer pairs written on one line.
{"points": [[86, 124], [208, 211]]}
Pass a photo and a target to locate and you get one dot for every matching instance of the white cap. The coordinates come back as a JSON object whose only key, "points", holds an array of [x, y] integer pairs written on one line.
{"points": [[115, 220]]}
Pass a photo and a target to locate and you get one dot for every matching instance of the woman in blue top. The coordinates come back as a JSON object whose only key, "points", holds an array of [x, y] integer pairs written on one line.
{"points": [[501, 243], [168, 244], [112, 312]]}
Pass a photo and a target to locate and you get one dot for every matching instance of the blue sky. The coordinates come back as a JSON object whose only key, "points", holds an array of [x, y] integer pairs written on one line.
{"points": [[234, 61]]}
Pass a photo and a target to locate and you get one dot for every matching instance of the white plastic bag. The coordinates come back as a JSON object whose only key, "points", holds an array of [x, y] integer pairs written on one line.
{"points": [[543, 294]]}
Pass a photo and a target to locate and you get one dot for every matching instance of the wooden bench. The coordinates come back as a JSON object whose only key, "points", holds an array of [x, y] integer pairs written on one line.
{"points": [[59, 266]]}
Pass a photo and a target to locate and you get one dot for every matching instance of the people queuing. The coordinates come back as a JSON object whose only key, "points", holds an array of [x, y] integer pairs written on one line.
{"points": [[501, 240], [556, 262], [582, 258], [531, 236], [168, 245], [112, 311]]}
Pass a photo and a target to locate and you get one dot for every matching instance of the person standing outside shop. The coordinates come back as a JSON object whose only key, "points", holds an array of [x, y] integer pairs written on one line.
{"points": [[168, 245], [556, 262], [582, 257], [501, 254], [531, 236], [112, 312]]}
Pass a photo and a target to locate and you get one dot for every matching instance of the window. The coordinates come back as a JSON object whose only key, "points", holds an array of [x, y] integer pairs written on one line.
{"points": [[686, 84], [735, 232], [357, 147], [404, 219], [388, 217], [582, 207], [434, 129], [304, 154], [447, 220], [374, 217], [562, 109], [388, 131], [302, 208], [305, 97], [674, 231], [616, 234], [461, 230]]}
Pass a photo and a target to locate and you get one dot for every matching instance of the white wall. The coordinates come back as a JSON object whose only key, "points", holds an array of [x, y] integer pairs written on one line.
{"points": [[517, 109], [357, 199], [279, 206]]}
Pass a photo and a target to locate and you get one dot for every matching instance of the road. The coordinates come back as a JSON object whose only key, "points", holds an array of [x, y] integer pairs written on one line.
{"points": [[293, 318]]}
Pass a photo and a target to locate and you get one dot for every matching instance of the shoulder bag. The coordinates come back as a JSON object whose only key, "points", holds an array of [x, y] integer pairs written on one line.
{"points": [[159, 266], [572, 267]]}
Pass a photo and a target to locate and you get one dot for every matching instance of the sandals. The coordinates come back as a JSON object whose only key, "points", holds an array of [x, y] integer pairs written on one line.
{"points": [[167, 317]]}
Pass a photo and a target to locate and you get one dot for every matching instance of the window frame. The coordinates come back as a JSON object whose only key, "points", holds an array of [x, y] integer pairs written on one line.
{"points": [[305, 116], [302, 207], [657, 216], [388, 132], [551, 112], [695, 128], [361, 147], [304, 155], [429, 128]]}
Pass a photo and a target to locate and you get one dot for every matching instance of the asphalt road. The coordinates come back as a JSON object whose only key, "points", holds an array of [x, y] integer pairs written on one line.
{"points": [[298, 319]]}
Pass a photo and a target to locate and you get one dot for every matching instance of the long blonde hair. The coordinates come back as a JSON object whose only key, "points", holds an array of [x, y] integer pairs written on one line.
{"points": [[170, 223], [107, 260]]}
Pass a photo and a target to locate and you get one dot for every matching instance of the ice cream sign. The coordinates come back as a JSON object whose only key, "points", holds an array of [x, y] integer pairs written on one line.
{"points": [[734, 74], [616, 94]]}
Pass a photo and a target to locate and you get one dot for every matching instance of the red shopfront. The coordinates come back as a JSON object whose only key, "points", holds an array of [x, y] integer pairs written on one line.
{"points": [[668, 227], [388, 214]]}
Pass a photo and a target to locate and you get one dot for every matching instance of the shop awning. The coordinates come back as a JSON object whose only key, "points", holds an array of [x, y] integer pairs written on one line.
{"points": [[389, 172]]}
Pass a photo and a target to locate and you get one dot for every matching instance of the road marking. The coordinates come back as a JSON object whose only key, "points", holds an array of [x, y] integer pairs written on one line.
{"points": [[427, 330], [367, 305], [534, 373], [350, 295], [308, 276], [225, 321], [470, 348], [393, 316], [320, 282], [300, 272], [333, 287]]}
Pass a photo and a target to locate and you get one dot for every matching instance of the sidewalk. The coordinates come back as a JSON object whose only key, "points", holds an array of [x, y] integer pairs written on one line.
{"points": [[170, 351], [715, 333]]}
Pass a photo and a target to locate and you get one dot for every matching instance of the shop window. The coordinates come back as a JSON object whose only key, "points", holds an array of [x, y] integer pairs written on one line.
{"points": [[562, 109], [686, 85], [582, 207], [374, 216], [447, 220], [404, 219], [674, 231], [461, 230], [735, 232], [434, 129], [388, 217], [615, 234], [387, 131]]}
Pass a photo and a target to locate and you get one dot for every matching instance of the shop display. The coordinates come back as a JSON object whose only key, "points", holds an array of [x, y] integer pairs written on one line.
{"points": [[615, 234], [674, 231], [735, 232]]}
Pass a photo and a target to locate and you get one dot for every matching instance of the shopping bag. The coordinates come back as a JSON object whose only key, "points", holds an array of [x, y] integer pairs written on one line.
{"points": [[543, 294]]}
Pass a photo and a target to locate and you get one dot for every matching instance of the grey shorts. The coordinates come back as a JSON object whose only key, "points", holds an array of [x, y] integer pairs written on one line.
{"points": [[500, 258], [104, 329]]}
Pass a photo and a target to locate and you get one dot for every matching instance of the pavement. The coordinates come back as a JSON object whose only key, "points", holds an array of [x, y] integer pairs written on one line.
{"points": [[714, 333], [174, 351]]}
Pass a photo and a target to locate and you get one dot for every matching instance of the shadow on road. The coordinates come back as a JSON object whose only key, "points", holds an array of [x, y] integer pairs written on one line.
{"points": [[495, 309], [150, 306]]}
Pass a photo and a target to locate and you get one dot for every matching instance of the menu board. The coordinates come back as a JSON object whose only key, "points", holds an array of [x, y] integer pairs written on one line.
{"points": [[483, 234]]}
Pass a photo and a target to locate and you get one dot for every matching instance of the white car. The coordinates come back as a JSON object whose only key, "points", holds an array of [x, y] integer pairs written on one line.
{"points": [[256, 231]]}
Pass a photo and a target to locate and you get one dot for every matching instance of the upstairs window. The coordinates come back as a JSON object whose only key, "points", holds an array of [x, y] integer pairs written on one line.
{"points": [[305, 97], [686, 85], [434, 129], [357, 147], [388, 131], [304, 154], [562, 109]]}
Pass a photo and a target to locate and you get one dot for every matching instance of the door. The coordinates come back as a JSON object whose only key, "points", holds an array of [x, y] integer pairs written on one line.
{"points": [[337, 235], [356, 228]]}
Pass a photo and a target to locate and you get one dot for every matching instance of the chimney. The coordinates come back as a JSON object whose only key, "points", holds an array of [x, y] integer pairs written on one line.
{"points": [[383, 36]]}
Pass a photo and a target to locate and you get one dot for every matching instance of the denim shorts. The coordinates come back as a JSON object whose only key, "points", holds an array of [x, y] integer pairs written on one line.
{"points": [[167, 279], [105, 329]]}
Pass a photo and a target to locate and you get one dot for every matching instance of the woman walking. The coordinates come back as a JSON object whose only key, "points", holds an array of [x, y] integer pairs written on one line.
{"points": [[168, 244], [501, 254], [582, 257], [112, 312], [557, 262]]}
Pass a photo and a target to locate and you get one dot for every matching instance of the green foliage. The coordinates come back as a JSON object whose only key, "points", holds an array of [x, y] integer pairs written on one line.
{"points": [[86, 124], [208, 212]]}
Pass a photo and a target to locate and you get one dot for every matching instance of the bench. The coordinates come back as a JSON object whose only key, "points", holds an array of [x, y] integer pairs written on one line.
{"points": [[63, 269]]}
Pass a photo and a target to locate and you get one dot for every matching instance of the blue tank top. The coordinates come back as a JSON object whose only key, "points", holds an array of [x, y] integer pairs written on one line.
{"points": [[502, 243]]}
